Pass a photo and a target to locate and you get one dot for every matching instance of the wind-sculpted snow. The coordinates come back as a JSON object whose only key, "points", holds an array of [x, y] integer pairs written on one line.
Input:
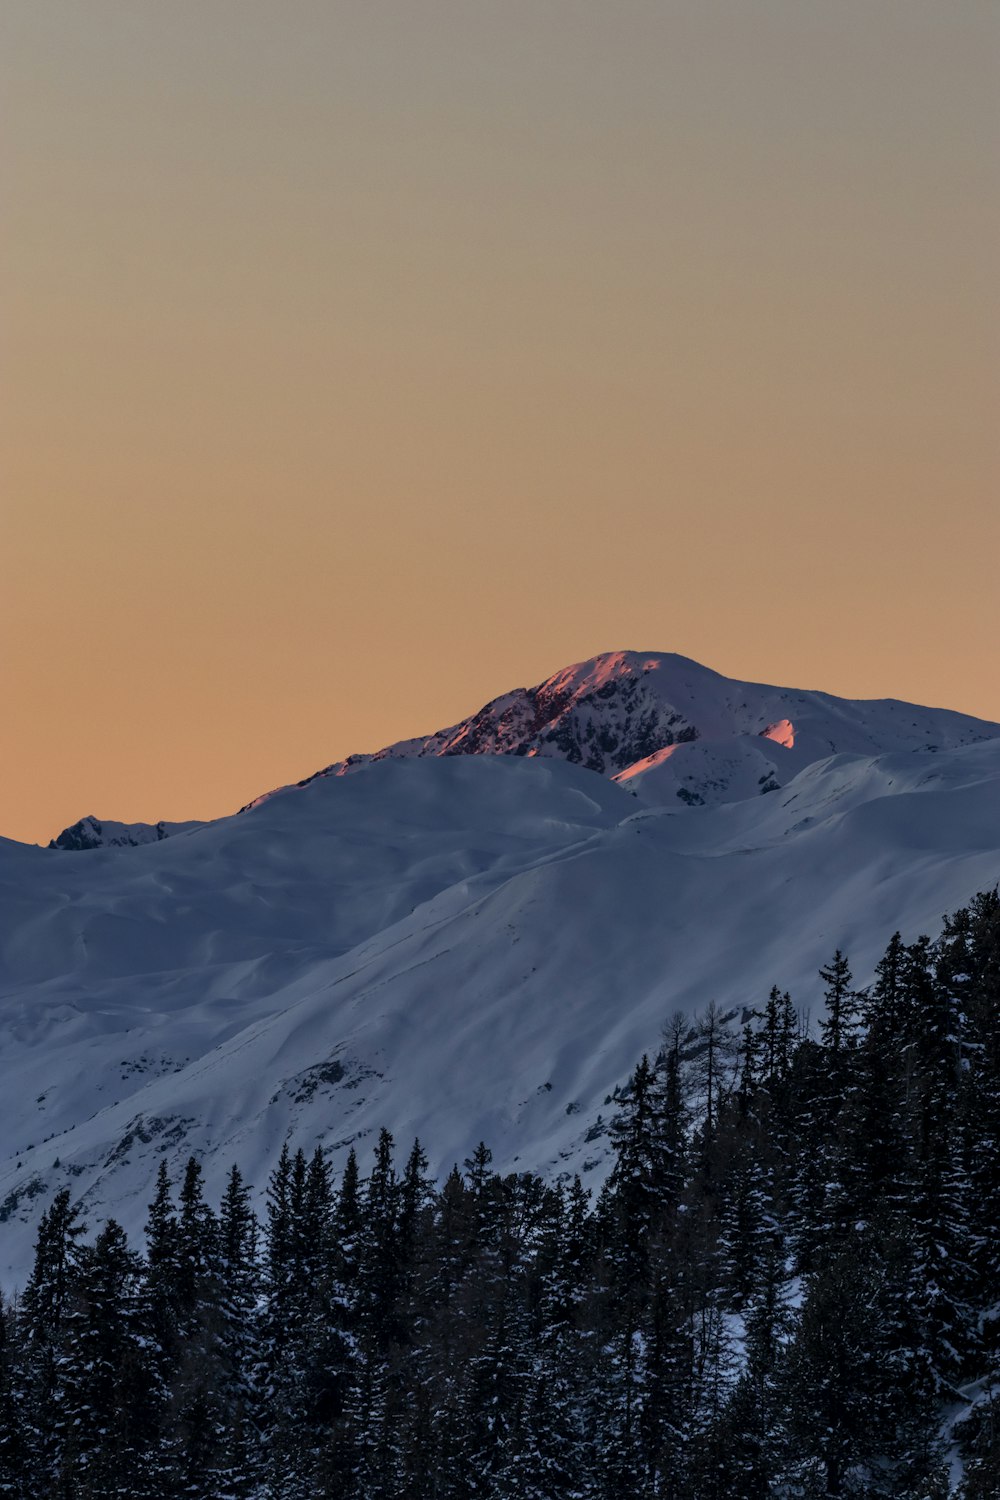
{"points": [[460, 947]]}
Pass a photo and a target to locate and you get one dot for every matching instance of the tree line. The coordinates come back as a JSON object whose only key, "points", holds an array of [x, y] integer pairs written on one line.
{"points": [[789, 1285]]}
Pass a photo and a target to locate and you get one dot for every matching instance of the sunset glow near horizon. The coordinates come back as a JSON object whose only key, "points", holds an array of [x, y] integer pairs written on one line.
{"points": [[363, 362]]}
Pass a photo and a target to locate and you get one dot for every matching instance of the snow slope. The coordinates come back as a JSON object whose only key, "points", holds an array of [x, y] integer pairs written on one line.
{"points": [[456, 946]]}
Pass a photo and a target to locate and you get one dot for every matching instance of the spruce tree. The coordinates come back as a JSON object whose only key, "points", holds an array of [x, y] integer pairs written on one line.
{"points": [[838, 1027], [162, 1290], [44, 1312], [347, 1221], [836, 1379], [238, 1285], [13, 1437], [381, 1267], [108, 1393], [939, 1190]]}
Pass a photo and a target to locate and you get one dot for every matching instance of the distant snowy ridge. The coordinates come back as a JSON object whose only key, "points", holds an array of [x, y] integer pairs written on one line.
{"points": [[93, 833]]}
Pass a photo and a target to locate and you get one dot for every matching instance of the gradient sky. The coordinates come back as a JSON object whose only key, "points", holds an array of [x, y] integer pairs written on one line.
{"points": [[362, 361]]}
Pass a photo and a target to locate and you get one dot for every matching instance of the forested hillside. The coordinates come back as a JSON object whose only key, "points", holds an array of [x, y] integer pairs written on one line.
{"points": [[789, 1285]]}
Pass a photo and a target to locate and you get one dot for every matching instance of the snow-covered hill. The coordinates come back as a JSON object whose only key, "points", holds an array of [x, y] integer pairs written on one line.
{"points": [[465, 946]]}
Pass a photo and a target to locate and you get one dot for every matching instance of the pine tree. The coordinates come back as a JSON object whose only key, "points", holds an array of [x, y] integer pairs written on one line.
{"points": [[747, 1228], [777, 1038], [838, 1195], [838, 1028], [381, 1268], [717, 1054], [414, 1209], [968, 967], [279, 1257], [326, 1357], [836, 1378], [195, 1248], [13, 1438], [558, 1442], [347, 1220], [645, 1182], [938, 1193], [496, 1398], [45, 1308], [107, 1383], [770, 1327], [162, 1274], [981, 1451], [879, 1140], [238, 1284], [276, 1372]]}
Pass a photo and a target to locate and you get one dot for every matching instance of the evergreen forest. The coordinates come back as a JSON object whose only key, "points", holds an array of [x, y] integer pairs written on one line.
{"points": [[788, 1285]]}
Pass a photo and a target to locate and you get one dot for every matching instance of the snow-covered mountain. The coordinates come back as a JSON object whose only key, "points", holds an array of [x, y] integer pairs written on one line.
{"points": [[678, 729], [466, 946]]}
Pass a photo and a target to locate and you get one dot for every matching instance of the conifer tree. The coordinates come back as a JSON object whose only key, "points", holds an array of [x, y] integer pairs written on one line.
{"points": [[645, 1182], [717, 1053], [414, 1208], [195, 1247], [968, 968], [13, 1439], [278, 1252], [747, 1228], [198, 1381], [777, 1037], [884, 1003], [938, 1193], [381, 1268], [981, 1450], [770, 1326], [323, 1358], [838, 1194], [238, 1284], [879, 1143], [279, 1373], [107, 1393], [347, 1218], [45, 1308], [839, 1025], [162, 1290], [836, 1378]]}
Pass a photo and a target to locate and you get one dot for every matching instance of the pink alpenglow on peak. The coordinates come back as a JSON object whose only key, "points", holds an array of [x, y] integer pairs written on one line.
{"points": [[648, 763], [782, 732], [677, 732]]}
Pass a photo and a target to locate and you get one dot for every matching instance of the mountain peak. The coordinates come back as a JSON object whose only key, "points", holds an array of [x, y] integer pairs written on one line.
{"points": [[637, 716], [95, 833]]}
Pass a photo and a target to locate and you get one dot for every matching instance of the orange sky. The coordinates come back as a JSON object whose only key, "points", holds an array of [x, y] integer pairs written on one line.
{"points": [[361, 362]]}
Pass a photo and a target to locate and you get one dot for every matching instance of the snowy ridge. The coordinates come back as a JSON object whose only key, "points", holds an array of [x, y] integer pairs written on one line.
{"points": [[93, 833]]}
